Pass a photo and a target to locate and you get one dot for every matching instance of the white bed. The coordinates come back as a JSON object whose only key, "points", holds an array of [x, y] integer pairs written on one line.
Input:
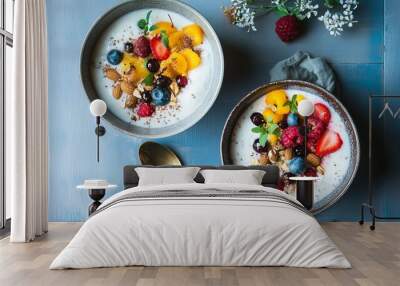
{"points": [[203, 225]]}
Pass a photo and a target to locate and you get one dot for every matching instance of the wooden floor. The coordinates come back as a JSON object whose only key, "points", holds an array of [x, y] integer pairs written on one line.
{"points": [[375, 257]]}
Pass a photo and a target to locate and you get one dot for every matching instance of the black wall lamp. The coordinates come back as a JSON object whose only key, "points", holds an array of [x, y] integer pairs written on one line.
{"points": [[98, 108]]}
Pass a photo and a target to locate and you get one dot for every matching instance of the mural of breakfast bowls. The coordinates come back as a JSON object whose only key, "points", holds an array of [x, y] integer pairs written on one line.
{"points": [[266, 128], [157, 64]]}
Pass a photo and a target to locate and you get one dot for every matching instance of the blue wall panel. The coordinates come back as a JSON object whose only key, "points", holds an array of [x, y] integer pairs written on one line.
{"points": [[357, 58]]}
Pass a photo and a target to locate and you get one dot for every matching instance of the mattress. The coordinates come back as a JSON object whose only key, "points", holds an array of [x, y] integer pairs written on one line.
{"points": [[201, 225]]}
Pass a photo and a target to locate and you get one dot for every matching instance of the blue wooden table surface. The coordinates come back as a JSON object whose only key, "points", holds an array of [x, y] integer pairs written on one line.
{"points": [[365, 60]]}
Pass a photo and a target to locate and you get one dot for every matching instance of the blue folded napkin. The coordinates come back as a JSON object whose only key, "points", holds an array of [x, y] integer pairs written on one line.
{"points": [[302, 66]]}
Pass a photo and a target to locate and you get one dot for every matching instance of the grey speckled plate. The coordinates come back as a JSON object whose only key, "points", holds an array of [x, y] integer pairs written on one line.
{"points": [[210, 93], [237, 121]]}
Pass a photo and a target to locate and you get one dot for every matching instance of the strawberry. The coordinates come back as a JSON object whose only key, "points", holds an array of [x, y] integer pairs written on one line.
{"points": [[321, 111], [158, 49], [329, 142]]}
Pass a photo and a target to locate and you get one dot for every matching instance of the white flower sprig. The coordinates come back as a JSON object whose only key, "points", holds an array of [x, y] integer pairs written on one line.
{"points": [[336, 21], [242, 15], [302, 9], [338, 15]]}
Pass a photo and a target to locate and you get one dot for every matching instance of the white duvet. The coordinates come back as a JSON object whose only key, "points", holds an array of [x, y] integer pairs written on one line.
{"points": [[188, 231]]}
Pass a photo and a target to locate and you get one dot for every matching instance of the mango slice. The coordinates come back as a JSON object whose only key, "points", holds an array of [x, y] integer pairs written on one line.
{"points": [[270, 115], [195, 33], [134, 66], [192, 58], [167, 69], [163, 26], [176, 40], [178, 63]]}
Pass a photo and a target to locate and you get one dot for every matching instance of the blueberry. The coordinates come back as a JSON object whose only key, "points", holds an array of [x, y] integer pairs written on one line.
{"points": [[114, 57], [153, 65], [128, 47], [163, 81], [257, 118], [292, 119], [161, 96], [296, 165], [258, 148]]}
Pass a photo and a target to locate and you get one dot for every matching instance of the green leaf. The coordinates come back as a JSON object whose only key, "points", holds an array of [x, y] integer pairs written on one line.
{"points": [[277, 132], [142, 24], [293, 104], [270, 120], [148, 80], [281, 10], [258, 129], [148, 16], [146, 60], [331, 3], [272, 128], [153, 27], [164, 38], [263, 139]]}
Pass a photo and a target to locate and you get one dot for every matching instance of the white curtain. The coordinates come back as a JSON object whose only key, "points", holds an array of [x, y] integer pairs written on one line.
{"points": [[26, 123]]}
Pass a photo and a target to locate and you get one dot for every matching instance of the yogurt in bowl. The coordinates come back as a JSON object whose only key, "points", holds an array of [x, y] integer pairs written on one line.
{"points": [[157, 64], [265, 128]]}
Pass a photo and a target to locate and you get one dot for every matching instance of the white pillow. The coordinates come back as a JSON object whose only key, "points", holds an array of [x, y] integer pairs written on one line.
{"points": [[166, 176], [248, 177]]}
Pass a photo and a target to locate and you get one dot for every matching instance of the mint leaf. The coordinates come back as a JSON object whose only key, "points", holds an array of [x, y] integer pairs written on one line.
{"points": [[148, 16], [277, 132], [146, 60], [272, 128], [257, 129], [263, 139], [293, 104], [164, 38], [142, 24], [153, 27], [148, 80], [331, 3]]}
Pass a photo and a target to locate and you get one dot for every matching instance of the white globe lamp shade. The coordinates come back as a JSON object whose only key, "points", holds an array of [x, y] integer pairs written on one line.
{"points": [[305, 108], [98, 107]]}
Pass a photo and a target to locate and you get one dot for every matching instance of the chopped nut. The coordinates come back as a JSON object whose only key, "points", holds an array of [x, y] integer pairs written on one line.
{"points": [[320, 170], [111, 74], [136, 93], [127, 87], [313, 159], [117, 91], [174, 88], [173, 98], [263, 160], [130, 101], [140, 87], [273, 156], [288, 154]]}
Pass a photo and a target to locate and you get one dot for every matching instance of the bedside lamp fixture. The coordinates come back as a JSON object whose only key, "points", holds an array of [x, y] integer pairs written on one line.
{"points": [[305, 109], [98, 108], [305, 185]]}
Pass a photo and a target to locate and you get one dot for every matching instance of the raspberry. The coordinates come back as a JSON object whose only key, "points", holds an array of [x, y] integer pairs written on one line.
{"points": [[145, 109], [315, 129], [288, 28], [142, 47], [291, 137]]}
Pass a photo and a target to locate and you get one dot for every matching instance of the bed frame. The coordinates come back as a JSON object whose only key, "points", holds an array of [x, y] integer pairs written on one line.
{"points": [[270, 179]]}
